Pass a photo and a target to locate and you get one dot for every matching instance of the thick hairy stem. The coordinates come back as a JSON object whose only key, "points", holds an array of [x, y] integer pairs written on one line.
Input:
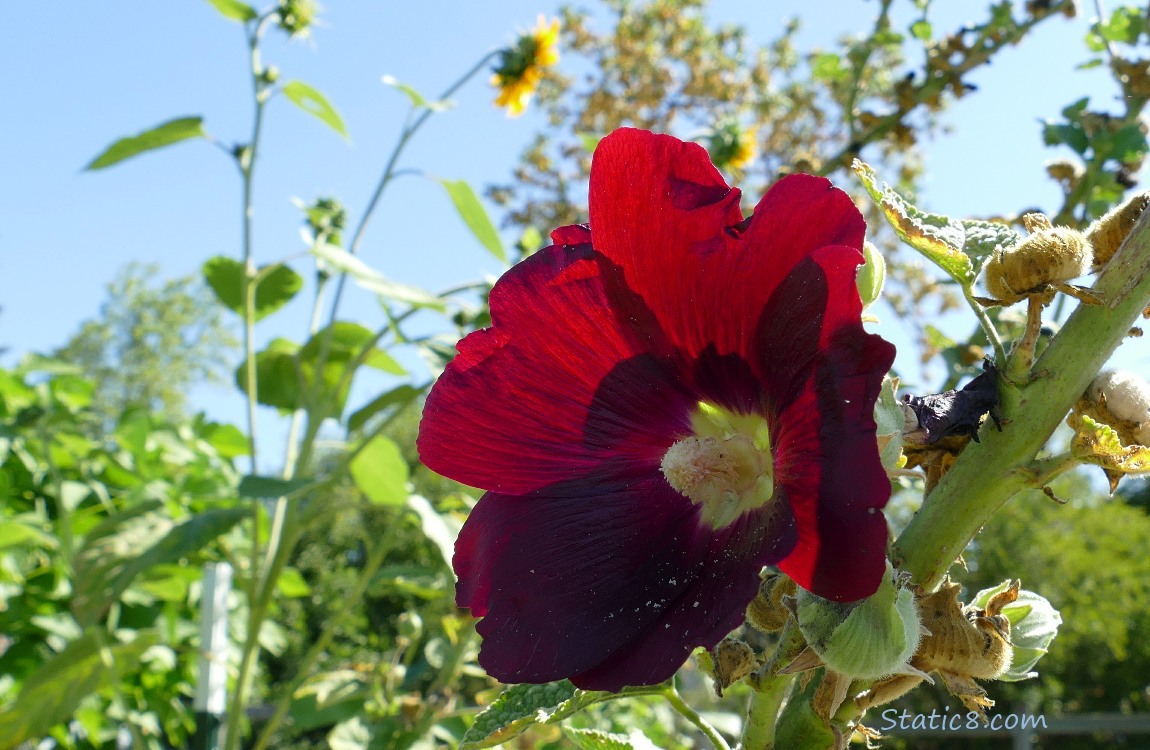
{"points": [[987, 474]]}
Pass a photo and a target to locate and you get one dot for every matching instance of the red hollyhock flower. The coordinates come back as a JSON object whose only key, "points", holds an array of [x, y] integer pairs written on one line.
{"points": [[666, 402]]}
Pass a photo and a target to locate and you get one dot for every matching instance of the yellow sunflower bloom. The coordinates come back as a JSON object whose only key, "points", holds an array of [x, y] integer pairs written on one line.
{"points": [[732, 146], [521, 66]]}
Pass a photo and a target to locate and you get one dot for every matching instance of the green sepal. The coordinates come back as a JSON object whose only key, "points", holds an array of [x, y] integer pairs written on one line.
{"points": [[1033, 625]]}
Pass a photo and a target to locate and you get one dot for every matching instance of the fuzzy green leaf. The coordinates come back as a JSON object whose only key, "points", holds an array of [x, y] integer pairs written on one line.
{"points": [[520, 706], [958, 247]]}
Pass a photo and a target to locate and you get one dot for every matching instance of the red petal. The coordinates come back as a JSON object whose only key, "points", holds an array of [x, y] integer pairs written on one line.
{"points": [[824, 438], [663, 213], [609, 589], [560, 386]]}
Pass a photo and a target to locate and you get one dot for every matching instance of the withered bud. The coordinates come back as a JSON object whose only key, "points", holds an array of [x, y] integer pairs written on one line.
{"points": [[767, 612], [1108, 233], [733, 660], [1065, 171], [1049, 255], [955, 412]]}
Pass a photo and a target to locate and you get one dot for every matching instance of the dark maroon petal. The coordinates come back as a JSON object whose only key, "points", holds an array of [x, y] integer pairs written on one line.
{"points": [[511, 412], [826, 456], [607, 589]]}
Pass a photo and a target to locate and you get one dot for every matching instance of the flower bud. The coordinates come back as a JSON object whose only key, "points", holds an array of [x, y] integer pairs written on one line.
{"points": [[1049, 255], [872, 275], [1107, 234], [767, 612], [1033, 626], [868, 639], [1126, 395]]}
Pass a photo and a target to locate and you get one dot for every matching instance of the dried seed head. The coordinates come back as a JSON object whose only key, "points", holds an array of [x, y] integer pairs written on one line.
{"points": [[733, 660], [965, 641], [1050, 255], [1107, 234]]}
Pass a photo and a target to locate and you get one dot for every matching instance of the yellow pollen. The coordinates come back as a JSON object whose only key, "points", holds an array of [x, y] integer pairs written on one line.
{"points": [[726, 470]]}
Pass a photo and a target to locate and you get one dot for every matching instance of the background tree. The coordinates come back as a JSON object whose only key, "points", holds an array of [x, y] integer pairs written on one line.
{"points": [[152, 341]]}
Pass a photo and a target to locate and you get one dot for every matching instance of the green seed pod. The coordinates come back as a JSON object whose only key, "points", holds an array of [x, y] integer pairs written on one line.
{"points": [[869, 639]]}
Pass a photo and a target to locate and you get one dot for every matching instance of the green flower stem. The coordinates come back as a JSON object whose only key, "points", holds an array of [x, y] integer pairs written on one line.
{"points": [[987, 474], [375, 559], [410, 128], [768, 688], [763, 707], [691, 715], [246, 161], [986, 323]]}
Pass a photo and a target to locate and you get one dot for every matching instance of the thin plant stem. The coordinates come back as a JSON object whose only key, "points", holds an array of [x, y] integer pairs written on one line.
{"points": [[375, 559], [246, 161], [691, 715], [292, 448], [410, 129], [986, 323], [763, 707]]}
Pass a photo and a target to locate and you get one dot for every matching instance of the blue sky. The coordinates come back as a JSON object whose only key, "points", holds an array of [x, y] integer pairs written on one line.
{"points": [[79, 75]]}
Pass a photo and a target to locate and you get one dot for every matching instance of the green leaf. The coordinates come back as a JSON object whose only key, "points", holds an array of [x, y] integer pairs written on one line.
{"points": [[17, 533], [380, 472], [235, 10], [277, 381], [54, 691], [276, 285], [348, 341], [269, 487], [228, 440], [921, 30], [418, 100], [1071, 134], [314, 103], [590, 141], [958, 247], [165, 134], [520, 706], [827, 66], [399, 397], [124, 546], [440, 528], [890, 419], [372, 280], [594, 739], [475, 216], [292, 585], [871, 275]]}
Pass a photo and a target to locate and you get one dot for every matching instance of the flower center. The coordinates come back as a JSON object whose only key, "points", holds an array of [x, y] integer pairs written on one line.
{"points": [[726, 466]]}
